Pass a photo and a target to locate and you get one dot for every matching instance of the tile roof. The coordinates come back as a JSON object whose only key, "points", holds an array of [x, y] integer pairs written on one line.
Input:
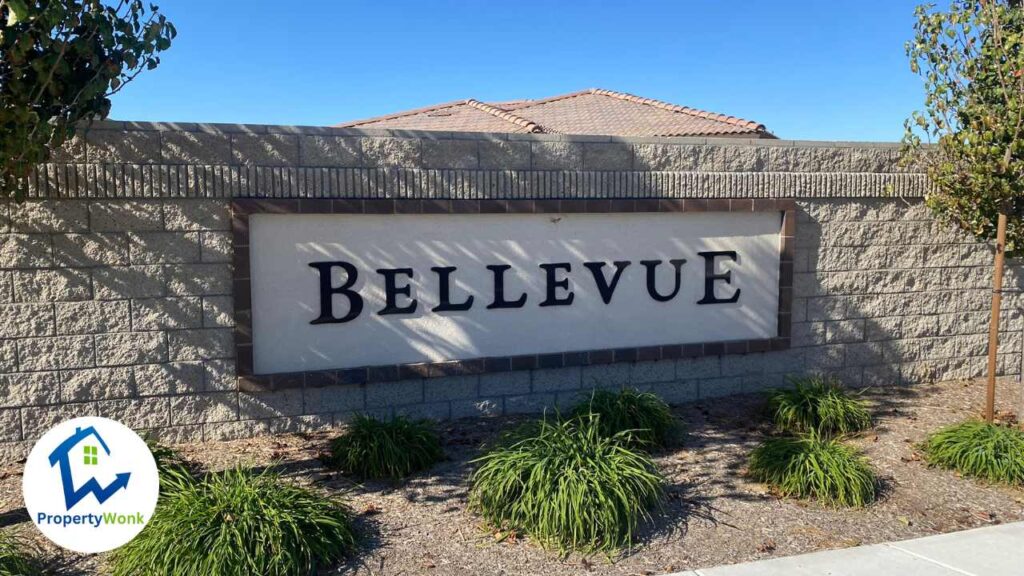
{"points": [[593, 111]]}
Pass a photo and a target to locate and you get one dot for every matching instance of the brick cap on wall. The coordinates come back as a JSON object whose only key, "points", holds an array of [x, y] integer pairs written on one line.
{"points": [[151, 160]]}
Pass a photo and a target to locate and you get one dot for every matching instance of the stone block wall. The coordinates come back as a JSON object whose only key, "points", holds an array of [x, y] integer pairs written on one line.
{"points": [[116, 274]]}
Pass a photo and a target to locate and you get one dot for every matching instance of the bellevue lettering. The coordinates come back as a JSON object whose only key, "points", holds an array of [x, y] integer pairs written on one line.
{"points": [[558, 291]]}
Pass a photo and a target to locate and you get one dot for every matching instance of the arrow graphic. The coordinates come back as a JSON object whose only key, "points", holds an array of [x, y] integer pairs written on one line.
{"points": [[72, 496]]}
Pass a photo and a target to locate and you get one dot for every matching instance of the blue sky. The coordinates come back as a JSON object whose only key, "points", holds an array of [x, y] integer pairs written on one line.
{"points": [[808, 69]]}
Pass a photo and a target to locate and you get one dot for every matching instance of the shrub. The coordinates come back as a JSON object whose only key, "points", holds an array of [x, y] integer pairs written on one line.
{"points": [[567, 485], [818, 404], [645, 416], [991, 452], [238, 522], [810, 466], [15, 559], [394, 449]]}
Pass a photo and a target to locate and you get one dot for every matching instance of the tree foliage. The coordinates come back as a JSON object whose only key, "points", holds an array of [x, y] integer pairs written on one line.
{"points": [[60, 61], [971, 58]]}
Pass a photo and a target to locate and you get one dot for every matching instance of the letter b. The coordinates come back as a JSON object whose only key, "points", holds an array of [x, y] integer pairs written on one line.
{"points": [[327, 292]]}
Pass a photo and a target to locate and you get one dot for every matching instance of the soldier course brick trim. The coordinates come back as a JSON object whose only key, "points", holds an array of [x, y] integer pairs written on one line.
{"points": [[248, 381]]}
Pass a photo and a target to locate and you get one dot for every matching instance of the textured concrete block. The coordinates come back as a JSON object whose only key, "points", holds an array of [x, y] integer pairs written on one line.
{"points": [[120, 282], [8, 356], [220, 375], [648, 372], [10, 426], [25, 251], [124, 348], [457, 154], [450, 388], [92, 317], [658, 157], [191, 215], [332, 399], [403, 152], [163, 247], [195, 148], [265, 149], [218, 312], [505, 383], [530, 404], [128, 146], [339, 151], [698, 368], [270, 404], [607, 156], [49, 216], [205, 344], [718, 387], [36, 421], [138, 413], [86, 250], [606, 375], [202, 408], [744, 159], [125, 216], [169, 378], [557, 155], [504, 155], [385, 394], [215, 247], [97, 384], [166, 314], [21, 320], [198, 279], [29, 389], [61, 285], [557, 379], [56, 352]]}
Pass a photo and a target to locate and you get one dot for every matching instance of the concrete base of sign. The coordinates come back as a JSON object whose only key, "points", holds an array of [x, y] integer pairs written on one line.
{"points": [[990, 551]]}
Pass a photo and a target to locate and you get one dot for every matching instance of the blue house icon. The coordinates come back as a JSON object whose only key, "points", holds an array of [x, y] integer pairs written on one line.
{"points": [[62, 455]]}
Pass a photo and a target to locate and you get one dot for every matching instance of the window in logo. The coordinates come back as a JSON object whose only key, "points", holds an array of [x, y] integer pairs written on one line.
{"points": [[91, 456]]}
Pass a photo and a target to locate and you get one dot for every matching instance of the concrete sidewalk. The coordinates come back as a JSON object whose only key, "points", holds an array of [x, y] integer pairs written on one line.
{"points": [[990, 551]]}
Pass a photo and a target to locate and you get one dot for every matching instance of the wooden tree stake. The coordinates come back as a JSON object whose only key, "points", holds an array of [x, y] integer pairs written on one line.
{"points": [[993, 330]]}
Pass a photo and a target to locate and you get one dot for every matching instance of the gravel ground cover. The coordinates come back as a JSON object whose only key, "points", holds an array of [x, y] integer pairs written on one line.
{"points": [[713, 515]]}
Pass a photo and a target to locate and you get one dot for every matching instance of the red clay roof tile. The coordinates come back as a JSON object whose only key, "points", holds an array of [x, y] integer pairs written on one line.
{"points": [[594, 111]]}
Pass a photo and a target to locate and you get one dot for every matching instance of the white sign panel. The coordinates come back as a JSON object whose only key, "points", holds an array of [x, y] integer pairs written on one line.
{"points": [[333, 291]]}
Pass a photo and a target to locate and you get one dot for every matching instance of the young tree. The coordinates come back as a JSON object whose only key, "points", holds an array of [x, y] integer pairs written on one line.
{"points": [[60, 61], [971, 57]]}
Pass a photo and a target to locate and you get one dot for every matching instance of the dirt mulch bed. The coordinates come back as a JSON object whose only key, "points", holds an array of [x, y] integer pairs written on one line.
{"points": [[714, 515]]}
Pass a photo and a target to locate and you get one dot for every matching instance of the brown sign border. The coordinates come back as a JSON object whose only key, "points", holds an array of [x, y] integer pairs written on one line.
{"points": [[242, 208]]}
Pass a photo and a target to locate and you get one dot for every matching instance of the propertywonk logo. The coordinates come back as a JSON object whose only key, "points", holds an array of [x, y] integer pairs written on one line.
{"points": [[90, 484]]}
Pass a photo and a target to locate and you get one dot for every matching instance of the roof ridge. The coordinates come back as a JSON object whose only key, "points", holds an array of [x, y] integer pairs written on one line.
{"points": [[528, 103], [682, 109], [530, 125], [401, 114]]}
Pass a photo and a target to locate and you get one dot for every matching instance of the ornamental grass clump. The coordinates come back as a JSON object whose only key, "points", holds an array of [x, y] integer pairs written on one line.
{"points": [[393, 449], [15, 558], [643, 416], [820, 405], [812, 466], [239, 522], [992, 452], [568, 486]]}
